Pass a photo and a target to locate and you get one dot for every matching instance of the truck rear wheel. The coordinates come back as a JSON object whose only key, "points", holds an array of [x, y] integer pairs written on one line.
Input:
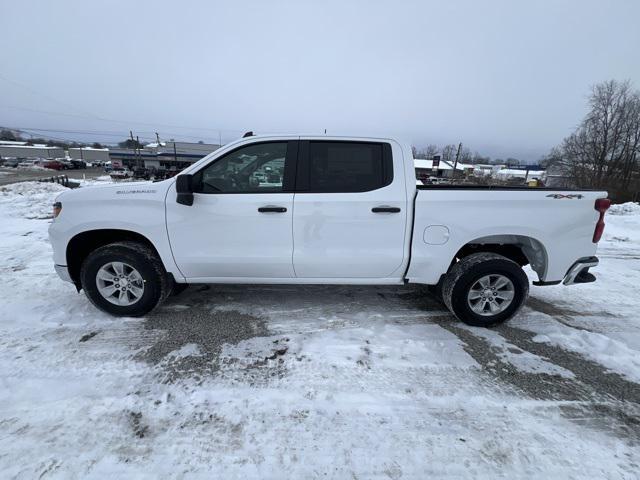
{"points": [[485, 289], [124, 279]]}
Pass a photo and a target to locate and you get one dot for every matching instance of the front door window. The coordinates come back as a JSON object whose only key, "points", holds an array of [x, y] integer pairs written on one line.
{"points": [[251, 169]]}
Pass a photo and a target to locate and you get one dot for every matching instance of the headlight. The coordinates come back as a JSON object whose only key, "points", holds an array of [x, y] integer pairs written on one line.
{"points": [[57, 208]]}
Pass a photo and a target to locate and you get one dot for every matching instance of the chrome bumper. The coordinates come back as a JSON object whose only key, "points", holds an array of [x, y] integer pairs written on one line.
{"points": [[63, 273], [579, 271]]}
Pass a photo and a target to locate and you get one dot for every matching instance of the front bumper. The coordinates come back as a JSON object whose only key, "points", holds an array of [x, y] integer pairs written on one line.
{"points": [[579, 271], [63, 273]]}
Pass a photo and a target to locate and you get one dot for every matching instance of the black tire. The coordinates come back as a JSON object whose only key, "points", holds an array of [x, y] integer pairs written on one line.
{"points": [[464, 274], [157, 285]]}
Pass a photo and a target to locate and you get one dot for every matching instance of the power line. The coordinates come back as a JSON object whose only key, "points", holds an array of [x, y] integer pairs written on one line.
{"points": [[39, 131], [83, 132], [125, 122], [33, 132], [147, 135], [104, 133]]}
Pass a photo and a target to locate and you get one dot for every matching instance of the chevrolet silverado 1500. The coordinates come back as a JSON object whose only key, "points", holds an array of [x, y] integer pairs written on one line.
{"points": [[322, 210]]}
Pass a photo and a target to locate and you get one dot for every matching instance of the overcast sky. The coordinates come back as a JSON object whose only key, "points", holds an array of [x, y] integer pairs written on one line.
{"points": [[506, 78]]}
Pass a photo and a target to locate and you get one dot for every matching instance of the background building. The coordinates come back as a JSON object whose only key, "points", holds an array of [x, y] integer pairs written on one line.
{"points": [[89, 154], [22, 150], [162, 156]]}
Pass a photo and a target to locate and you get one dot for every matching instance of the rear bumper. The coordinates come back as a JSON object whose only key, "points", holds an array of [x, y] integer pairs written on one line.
{"points": [[63, 273], [579, 271]]}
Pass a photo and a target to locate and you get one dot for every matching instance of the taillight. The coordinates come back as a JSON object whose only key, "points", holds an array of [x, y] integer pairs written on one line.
{"points": [[601, 206], [57, 208]]}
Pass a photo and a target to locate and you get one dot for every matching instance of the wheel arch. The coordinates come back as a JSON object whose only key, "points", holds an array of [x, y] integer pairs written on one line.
{"points": [[522, 249], [83, 243]]}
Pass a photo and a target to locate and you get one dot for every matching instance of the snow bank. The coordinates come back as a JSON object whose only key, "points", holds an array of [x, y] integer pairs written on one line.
{"points": [[629, 208], [30, 199], [87, 182], [33, 200]]}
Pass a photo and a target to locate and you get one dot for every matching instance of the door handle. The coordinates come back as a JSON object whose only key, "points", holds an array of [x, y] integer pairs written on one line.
{"points": [[385, 209], [272, 209]]}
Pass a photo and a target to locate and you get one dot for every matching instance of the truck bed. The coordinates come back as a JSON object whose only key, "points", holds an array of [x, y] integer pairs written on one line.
{"points": [[554, 226]]}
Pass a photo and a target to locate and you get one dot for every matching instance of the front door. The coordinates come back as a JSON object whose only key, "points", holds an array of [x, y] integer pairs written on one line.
{"points": [[350, 213], [240, 223]]}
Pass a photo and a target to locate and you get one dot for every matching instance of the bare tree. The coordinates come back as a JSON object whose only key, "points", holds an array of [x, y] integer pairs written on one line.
{"points": [[466, 156], [603, 152], [427, 153], [449, 153], [477, 158], [431, 151]]}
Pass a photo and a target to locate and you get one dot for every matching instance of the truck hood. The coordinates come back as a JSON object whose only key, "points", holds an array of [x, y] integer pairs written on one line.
{"points": [[117, 191]]}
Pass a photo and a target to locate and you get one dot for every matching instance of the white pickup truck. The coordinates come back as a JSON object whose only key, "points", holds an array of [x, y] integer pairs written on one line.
{"points": [[322, 210]]}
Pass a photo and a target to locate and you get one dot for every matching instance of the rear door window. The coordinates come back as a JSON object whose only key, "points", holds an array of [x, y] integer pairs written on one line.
{"points": [[345, 167]]}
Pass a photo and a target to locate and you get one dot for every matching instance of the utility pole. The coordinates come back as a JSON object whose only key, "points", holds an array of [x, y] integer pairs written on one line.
{"points": [[139, 160], [135, 154], [219, 138], [455, 163]]}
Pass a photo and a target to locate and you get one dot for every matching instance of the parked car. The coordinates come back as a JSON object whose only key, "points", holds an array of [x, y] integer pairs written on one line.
{"points": [[160, 174], [141, 173], [120, 173], [328, 221], [28, 163], [77, 164], [54, 165], [11, 162], [163, 174]]}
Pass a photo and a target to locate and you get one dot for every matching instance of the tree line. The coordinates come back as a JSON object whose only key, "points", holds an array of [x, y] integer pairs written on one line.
{"points": [[448, 153]]}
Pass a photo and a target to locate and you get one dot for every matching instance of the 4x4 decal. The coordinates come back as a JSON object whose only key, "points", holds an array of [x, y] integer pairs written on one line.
{"points": [[561, 195]]}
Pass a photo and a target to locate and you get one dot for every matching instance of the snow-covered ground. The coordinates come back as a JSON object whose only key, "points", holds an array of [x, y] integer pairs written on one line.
{"points": [[313, 382]]}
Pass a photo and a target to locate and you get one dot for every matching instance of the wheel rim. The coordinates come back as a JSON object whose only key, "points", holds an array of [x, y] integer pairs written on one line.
{"points": [[491, 295], [119, 283]]}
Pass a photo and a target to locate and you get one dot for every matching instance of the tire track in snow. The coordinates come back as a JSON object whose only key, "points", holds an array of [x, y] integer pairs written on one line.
{"points": [[564, 315], [598, 398]]}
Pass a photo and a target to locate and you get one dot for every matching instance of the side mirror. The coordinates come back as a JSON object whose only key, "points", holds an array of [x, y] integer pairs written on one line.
{"points": [[184, 188]]}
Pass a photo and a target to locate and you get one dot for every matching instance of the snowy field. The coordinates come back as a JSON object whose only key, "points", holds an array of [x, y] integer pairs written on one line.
{"points": [[314, 382]]}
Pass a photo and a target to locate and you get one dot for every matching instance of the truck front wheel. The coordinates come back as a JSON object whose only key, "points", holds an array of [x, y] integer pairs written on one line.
{"points": [[125, 279], [485, 289]]}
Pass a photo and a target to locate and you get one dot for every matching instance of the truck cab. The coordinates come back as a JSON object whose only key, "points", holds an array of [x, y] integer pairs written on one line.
{"points": [[327, 210]]}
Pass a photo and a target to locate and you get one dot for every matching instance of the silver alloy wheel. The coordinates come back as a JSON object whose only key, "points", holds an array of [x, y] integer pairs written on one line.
{"points": [[490, 295], [120, 283]]}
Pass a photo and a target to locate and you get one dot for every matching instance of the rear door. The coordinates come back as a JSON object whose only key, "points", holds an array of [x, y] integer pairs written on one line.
{"points": [[240, 222], [350, 210]]}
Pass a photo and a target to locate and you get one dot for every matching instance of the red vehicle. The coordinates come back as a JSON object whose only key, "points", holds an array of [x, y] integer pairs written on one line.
{"points": [[54, 165]]}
